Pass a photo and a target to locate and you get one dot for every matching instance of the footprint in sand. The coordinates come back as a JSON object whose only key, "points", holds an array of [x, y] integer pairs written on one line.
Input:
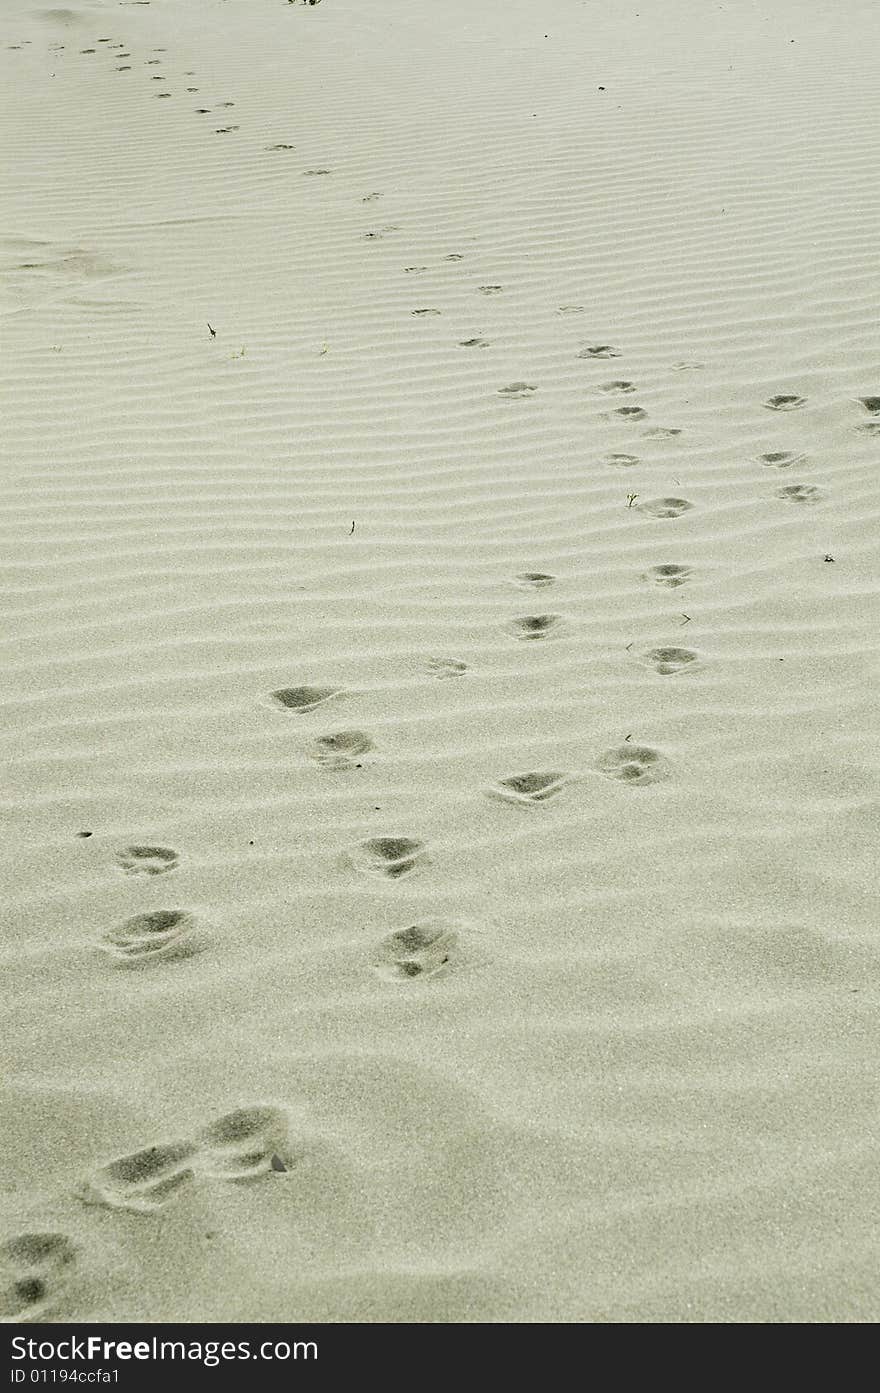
{"points": [[668, 573], [422, 950], [667, 661], [781, 459], [312, 172], [159, 936], [370, 197], [785, 402], [533, 580], [281, 147], [662, 432], [225, 130], [474, 343], [244, 1145], [445, 667], [453, 256], [144, 1181], [633, 764], [422, 313], [600, 350], [799, 493], [620, 461], [871, 405], [618, 388], [631, 413], [390, 857], [490, 289], [302, 699], [526, 789], [344, 749], [414, 270], [147, 860], [664, 507], [35, 1269], [517, 389], [534, 626]]}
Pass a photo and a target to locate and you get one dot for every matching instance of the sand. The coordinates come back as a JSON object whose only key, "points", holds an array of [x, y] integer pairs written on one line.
{"points": [[440, 718]]}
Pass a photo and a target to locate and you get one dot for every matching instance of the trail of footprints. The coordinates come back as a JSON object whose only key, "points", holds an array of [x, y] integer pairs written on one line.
{"points": [[251, 1143]]}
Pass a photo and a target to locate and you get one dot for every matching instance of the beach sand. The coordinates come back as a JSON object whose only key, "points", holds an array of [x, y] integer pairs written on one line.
{"points": [[439, 698]]}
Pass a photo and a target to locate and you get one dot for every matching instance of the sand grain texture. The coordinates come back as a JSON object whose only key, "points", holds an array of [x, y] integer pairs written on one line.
{"points": [[440, 600]]}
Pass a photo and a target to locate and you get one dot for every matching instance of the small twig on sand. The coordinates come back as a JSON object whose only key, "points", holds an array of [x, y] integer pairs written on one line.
{"points": [[352, 530], [213, 332]]}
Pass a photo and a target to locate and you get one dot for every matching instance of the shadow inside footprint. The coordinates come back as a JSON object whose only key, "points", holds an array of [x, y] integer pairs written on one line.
{"points": [[633, 764], [34, 1271], [533, 580], [390, 857], [631, 413], [780, 459], [341, 750], [664, 507], [668, 573], [304, 698], [534, 626], [147, 860], [785, 402], [799, 493], [422, 950], [445, 667], [144, 1181], [159, 936], [620, 388], [244, 1145], [667, 661], [620, 461], [871, 405], [600, 350], [529, 788]]}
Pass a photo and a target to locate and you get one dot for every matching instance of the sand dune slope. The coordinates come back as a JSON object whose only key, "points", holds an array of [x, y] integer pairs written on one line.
{"points": [[440, 653]]}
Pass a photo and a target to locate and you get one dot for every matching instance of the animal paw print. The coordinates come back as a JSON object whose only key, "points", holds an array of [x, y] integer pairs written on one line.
{"points": [[391, 857], [344, 749], [35, 1269], [244, 1145], [600, 350], [667, 661], [302, 699], [160, 936], [664, 507], [147, 860], [422, 950], [668, 573], [534, 626], [445, 667], [144, 1181], [633, 764], [526, 789], [785, 402], [799, 493], [517, 389]]}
